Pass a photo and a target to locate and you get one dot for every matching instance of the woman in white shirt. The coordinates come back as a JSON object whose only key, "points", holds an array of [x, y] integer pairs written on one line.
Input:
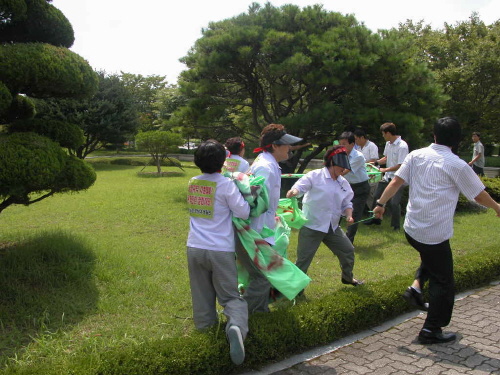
{"points": [[212, 201], [327, 196], [234, 160]]}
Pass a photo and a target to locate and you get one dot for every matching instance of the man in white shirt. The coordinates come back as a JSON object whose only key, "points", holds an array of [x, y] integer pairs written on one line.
{"points": [[477, 162], [394, 153], [358, 179], [274, 144], [365, 146], [436, 176]]}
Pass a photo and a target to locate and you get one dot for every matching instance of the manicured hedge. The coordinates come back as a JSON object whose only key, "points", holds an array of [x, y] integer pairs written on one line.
{"points": [[492, 187], [134, 161]]}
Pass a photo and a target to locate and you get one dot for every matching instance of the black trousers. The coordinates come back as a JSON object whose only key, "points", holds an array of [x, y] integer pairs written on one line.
{"points": [[394, 203], [479, 171], [361, 193], [436, 267]]}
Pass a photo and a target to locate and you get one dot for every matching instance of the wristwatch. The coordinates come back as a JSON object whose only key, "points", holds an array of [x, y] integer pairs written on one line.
{"points": [[379, 204]]}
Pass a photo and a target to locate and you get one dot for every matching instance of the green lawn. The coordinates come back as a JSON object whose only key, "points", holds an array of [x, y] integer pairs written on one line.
{"points": [[88, 271]]}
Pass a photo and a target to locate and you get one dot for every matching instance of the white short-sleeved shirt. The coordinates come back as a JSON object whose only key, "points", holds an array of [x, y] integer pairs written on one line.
{"points": [[235, 163], [265, 165], [369, 150], [215, 232], [436, 177], [325, 199], [358, 170], [396, 153], [478, 149]]}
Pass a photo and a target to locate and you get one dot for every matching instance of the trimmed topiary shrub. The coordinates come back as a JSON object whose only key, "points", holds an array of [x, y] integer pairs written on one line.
{"points": [[66, 134], [43, 70], [33, 164]]}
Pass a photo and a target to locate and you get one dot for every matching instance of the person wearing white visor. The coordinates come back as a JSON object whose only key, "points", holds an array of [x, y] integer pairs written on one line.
{"points": [[274, 147]]}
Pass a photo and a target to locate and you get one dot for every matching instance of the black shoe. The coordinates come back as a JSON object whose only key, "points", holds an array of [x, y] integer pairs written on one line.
{"points": [[414, 298], [354, 282], [395, 229], [425, 337], [372, 221]]}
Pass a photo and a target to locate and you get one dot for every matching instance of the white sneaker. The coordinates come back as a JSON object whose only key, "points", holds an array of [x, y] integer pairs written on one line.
{"points": [[236, 348]]}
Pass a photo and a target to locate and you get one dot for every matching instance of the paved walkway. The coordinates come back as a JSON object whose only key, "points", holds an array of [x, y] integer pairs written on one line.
{"points": [[392, 348]]}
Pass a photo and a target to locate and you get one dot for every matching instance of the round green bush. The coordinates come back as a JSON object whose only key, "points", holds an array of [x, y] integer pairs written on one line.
{"points": [[21, 107], [77, 175], [42, 70], [66, 134], [28, 163], [32, 163]]}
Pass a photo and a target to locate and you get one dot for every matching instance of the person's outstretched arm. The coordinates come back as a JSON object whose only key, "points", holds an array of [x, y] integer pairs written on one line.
{"points": [[486, 200]]}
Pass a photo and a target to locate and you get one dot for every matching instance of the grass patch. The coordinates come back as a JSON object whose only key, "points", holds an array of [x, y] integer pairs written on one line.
{"points": [[96, 280]]}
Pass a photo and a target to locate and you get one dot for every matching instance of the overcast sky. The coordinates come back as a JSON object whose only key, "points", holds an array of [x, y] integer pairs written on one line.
{"points": [[150, 36]]}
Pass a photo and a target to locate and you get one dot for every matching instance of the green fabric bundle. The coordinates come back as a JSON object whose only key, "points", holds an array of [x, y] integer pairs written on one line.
{"points": [[289, 209], [270, 260]]}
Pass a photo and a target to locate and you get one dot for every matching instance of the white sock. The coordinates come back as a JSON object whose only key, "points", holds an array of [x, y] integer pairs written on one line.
{"points": [[418, 290]]}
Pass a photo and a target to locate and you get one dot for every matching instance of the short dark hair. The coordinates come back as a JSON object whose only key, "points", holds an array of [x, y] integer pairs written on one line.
{"points": [[210, 156], [477, 134], [270, 134], [234, 145], [447, 131], [359, 133], [388, 127], [349, 136]]}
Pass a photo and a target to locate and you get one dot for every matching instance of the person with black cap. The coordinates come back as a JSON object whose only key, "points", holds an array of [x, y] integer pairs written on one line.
{"points": [[327, 196], [274, 144]]}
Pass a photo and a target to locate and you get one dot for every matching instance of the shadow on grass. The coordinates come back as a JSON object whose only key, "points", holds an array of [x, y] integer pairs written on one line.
{"points": [[46, 285]]}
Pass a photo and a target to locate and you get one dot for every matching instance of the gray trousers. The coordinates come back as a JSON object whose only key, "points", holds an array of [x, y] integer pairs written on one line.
{"points": [[213, 274], [336, 240], [257, 292]]}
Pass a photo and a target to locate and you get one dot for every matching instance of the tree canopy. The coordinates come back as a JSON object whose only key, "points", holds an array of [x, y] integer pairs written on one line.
{"points": [[109, 117], [35, 63], [315, 71], [158, 143], [145, 91], [465, 58]]}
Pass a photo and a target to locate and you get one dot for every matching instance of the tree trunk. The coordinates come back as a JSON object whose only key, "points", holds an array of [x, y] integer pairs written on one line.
{"points": [[158, 164]]}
